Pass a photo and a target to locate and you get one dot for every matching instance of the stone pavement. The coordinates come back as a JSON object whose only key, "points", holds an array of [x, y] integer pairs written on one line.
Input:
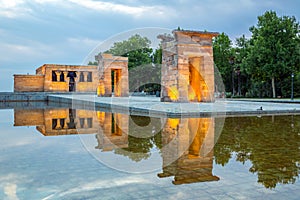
{"points": [[151, 106]]}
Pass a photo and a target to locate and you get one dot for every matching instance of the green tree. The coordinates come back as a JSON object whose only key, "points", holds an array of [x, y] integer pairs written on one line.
{"points": [[274, 154], [157, 55], [222, 51], [136, 48], [274, 50], [93, 63], [240, 53], [143, 63], [140, 142]]}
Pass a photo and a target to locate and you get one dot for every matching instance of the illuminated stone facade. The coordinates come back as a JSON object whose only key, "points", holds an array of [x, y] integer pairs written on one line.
{"points": [[187, 67], [58, 78], [59, 121], [186, 144], [112, 75], [113, 132], [188, 150]]}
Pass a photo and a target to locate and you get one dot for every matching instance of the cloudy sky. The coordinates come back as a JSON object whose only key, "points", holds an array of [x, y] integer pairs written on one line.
{"points": [[34, 32]]}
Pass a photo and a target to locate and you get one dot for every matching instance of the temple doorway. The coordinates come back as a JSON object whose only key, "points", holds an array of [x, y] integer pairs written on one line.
{"points": [[72, 85], [198, 89], [116, 82], [195, 79]]}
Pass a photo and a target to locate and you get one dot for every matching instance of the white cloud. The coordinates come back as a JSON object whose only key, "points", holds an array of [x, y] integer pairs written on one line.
{"points": [[135, 11], [18, 8], [35, 52], [10, 190], [10, 3], [11, 51], [13, 8], [118, 182], [9, 183], [87, 42], [46, 1]]}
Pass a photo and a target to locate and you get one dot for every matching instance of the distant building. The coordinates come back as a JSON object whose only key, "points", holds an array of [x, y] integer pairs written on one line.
{"points": [[187, 73], [113, 75], [110, 77], [58, 121], [58, 78]]}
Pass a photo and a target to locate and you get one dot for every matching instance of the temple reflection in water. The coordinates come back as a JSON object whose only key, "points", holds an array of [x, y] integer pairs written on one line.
{"points": [[60, 121], [113, 131], [188, 150], [187, 146]]}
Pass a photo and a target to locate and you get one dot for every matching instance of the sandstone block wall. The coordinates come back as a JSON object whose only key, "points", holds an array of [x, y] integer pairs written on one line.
{"points": [[187, 67], [55, 78], [61, 121], [188, 150], [63, 86], [115, 67], [32, 117], [113, 131], [68, 121], [29, 83]]}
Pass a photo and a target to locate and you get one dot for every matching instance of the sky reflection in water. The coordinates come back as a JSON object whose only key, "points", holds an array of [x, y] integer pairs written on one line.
{"points": [[120, 156]]}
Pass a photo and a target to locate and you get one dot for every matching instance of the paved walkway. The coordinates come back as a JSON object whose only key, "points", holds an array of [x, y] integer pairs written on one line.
{"points": [[152, 106]]}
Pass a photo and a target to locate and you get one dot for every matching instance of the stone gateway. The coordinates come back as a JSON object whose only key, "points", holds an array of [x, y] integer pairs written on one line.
{"points": [[187, 73], [187, 67]]}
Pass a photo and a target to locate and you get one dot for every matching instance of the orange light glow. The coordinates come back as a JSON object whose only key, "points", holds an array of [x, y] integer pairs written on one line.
{"points": [[101, 90], [173, 123], [173, 93], [191, 94], [101, 116], [117, 82]]}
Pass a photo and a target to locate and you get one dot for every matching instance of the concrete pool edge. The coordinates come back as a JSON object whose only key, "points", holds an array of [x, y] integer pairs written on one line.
{"points": [[151, 106]]}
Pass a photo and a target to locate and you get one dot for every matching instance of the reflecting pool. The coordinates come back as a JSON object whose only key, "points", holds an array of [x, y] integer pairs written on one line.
{"points": [[50, 152]]}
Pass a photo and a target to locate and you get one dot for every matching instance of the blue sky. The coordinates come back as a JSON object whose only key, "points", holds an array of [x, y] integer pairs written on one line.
{"points": [[34, 32]]}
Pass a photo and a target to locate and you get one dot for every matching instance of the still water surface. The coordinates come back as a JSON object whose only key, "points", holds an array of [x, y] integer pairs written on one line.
{"points": [[63, 153]]}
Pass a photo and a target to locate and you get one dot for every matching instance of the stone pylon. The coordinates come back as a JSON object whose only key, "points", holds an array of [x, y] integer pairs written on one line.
{"points": [[187, 67], [113, 75]]}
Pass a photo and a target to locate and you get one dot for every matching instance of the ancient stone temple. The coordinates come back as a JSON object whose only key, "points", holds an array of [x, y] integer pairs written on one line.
{"points": [[107, 79], [58, 121], [188, 150], [113, 131], [58, 78], [187, 67], [112, 75]]}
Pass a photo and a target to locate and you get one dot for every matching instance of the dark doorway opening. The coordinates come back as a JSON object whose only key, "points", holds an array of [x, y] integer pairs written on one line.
{"points": [[72, 85], [72, 117], [116, 82], [112, 81], [62, 77]]}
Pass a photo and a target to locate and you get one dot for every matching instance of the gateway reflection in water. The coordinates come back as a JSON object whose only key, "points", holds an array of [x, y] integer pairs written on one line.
{"points": [[190, 157], [187, 146]]}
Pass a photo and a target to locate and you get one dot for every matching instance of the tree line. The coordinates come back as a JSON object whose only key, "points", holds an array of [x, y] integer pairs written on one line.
{"points": [[144, 63], [265, 65]]}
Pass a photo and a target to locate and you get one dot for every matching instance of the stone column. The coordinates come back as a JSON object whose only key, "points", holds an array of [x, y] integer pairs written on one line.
{"points": [[64, 125], [85, 124], [107, 82], [65, 76], [58, 126], [85, 76], [77, 77], [57, 73]]}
